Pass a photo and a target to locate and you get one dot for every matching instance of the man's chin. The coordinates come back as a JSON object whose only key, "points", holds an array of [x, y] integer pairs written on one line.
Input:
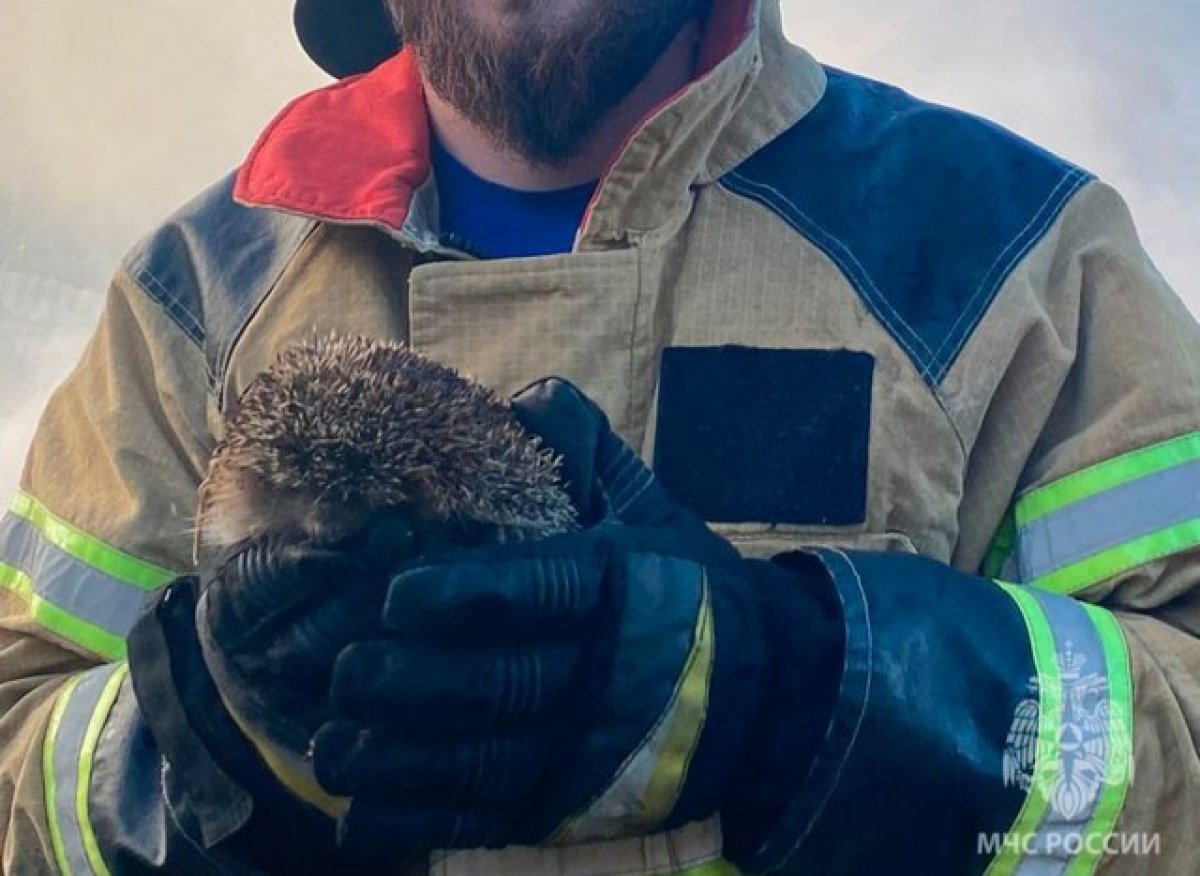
{"points": [[542, 95], [536, 145]]}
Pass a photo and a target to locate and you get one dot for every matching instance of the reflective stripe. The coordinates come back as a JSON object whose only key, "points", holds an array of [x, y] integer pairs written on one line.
{"points": [[1009, 571], [99, 601], [692, 850], [88, 549], [674, 744], [1000, 561], [1106, 475], [646, 789], [1107, 519], [69, 747], [58, 621], [1084, 739], [1054, 542], [1122, 558], [1046, 739], [1119, 771], [76, 585]]}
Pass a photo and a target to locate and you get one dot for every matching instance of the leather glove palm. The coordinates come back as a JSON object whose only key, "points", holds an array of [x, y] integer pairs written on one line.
{"points": [[607, 682]]}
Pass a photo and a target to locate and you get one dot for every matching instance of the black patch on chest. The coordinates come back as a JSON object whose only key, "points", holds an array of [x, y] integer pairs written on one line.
{"points": [[748, 434]]}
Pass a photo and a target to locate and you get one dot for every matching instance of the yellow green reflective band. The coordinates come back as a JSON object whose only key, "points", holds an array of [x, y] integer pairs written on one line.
{"points": [[1003, 546], [695, 849], [1107, 519], [648, 780], [75, 585], [1119, 772], [86, 758], [1106, 475], [1114, 561], [88, 549], [17, 583], [1075, 792], [1050, 706], [59, 621], [68, 753], [685, 719], [49, 779]]}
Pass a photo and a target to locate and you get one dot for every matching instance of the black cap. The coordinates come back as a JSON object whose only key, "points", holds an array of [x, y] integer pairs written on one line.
{"points": [[345, 37]]}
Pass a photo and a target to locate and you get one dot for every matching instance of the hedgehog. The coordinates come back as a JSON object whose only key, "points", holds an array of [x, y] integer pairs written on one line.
{"points": [[343, 428]]}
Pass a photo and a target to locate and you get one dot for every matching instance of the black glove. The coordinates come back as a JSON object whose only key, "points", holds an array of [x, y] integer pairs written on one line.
{"points": [[231, 673], [634, 675]]}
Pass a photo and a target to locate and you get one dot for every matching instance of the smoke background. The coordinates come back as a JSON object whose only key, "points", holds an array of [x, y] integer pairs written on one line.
{"points": [[113, 114]]}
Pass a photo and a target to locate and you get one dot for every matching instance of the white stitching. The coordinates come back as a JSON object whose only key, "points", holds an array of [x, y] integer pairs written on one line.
{"points": [[876, 297], [1081, 179], [931, 366], [172, 304], [992, 270], [1029, 236]]}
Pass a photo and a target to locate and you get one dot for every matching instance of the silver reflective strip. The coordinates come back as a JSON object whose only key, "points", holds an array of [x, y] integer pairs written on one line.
{"points": [[677, 851], [1085, 737], [69, 760], [75, 587], [1108, 519], [1010, 571], [647, 787]]}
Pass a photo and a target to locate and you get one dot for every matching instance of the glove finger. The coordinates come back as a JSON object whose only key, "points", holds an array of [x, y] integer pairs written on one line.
{"points": [[367, 763], [372, 830], [278, 685], [570, 424], [302, 635], [273, 575], [604, 476], [630, 492], [511, 599], [265, 581], [303, 648], [419, 687]]}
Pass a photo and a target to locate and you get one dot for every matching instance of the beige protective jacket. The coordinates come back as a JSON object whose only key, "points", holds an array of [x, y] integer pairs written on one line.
{"points": [[830, 314]]}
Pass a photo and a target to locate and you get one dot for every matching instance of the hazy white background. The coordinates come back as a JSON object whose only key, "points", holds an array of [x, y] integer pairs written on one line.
{"points": [[112, 114]]}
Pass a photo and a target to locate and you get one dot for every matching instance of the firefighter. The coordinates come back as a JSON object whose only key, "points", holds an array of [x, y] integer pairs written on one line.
{"points": [[904, 584]]}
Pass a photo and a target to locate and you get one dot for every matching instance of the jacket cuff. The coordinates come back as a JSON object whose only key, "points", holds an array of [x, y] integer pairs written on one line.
{"points": [[941, 746]]}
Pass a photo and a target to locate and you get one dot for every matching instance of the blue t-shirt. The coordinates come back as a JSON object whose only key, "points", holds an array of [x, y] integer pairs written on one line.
{"points": [[494, 222]]}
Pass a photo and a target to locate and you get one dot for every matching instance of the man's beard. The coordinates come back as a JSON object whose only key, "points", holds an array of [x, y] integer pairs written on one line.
{"points": [[540, 93]]}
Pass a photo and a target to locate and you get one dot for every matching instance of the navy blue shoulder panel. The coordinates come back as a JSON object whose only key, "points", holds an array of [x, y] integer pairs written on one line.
{"points": [[926, 210], [211, 264]]}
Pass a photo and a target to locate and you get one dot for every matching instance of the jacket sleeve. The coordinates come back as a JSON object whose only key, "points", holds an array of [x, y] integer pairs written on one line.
{"points": [[102, 519], [1038, 712]]}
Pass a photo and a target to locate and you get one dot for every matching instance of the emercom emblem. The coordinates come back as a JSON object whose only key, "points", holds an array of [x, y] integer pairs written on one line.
{"points": [[1080, 768]]}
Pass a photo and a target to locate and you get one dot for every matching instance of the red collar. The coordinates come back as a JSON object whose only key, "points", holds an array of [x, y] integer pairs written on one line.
{"points": [[355, 151]]}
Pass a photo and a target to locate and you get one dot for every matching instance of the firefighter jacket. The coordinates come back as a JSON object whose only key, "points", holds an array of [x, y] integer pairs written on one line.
{"points": [[830, 314]]}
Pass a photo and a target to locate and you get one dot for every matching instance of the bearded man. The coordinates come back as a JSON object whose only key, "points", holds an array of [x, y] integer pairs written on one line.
{"points": [[908, 584]]}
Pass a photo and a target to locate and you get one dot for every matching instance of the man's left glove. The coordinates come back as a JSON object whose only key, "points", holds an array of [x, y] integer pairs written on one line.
{"points": [[231, 671], [634, 675]]}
